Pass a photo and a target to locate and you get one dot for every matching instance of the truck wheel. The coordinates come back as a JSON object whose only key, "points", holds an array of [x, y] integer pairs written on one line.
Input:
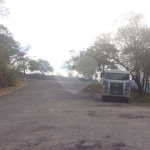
{"points": [[103, 98], [127, 100]]}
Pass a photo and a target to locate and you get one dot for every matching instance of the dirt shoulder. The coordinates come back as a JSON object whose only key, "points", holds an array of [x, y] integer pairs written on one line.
{"points": [[44, 115], [19, 84]]}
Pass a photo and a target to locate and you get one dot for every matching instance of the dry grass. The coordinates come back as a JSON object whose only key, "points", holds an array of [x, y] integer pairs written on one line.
{"points": [[11, 88]]}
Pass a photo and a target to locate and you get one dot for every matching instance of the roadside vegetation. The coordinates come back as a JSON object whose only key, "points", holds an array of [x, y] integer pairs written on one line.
{"points": [[135, 96], [128, 48], [14, 57], [9, 89], [96, 87]]}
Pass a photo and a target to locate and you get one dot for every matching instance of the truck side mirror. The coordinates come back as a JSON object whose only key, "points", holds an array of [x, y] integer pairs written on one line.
{"points": [[102, 74]]}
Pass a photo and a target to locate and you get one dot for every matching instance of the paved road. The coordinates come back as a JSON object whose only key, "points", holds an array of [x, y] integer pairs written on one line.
{"points": [[44, 116]]}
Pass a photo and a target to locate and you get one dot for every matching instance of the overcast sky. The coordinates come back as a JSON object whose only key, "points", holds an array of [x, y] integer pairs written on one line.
{"points": [[53, 27]]}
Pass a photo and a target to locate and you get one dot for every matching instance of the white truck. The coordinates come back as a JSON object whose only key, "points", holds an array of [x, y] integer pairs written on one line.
{"points": [[116, 85]]}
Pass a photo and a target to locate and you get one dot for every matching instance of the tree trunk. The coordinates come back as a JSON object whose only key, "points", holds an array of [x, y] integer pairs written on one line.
{"points": [[146, 86], [6, 77], [143, 81], [140, 90], [0, 80], [137, 81], [4, 82], [24, 72]]}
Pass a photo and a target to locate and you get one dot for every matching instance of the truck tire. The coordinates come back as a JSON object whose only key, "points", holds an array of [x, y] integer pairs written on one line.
{"points": [[103, 98], [127, 100]]}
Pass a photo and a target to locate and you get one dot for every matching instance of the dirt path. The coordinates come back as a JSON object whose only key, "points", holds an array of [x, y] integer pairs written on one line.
{"points": [[44, 116]]}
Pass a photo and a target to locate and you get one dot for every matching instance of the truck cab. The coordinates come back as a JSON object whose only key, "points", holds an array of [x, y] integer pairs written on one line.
{"points": [[116, 85]]}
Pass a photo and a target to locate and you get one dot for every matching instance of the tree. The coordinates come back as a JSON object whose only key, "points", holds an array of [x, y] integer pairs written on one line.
{"points": [[129, 49], [45, 66], [4, 12], [102, 50], [33, 65], [133, 42], [24, 60], [40, 65], [86, 66], [9, 55]]}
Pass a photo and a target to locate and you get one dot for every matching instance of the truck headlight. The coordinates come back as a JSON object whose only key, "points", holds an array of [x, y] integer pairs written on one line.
{"points": [[127, 86], [127, 91], [105, 86], [105, 90]]}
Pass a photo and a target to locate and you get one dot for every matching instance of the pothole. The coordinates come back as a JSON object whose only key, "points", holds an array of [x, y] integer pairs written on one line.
{"points": [[88, 145], [68, 111], [130, 116], [43, 128], [92, 114], [95, 145]]}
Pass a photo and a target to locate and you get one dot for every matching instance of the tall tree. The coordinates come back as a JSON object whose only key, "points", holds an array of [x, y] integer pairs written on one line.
{"points": [[24, 60], [9, 55], [4, 12], [130, 49], [40, 65], [102, 50], [34, 65], [133, 42]]}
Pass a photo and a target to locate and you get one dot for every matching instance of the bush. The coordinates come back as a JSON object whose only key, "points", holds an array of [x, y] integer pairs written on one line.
{"points": [[12, 80]]}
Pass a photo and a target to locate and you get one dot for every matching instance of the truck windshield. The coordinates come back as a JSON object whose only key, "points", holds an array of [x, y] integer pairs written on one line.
{"points": [[116, 76]]}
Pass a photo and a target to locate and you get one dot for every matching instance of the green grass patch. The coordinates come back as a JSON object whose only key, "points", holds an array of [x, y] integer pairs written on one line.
{"points": [[136, 98], [134, 95], [96, 87]]}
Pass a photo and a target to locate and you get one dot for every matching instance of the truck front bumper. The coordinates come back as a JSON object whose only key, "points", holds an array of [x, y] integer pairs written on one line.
{"points": [[109, 93]]}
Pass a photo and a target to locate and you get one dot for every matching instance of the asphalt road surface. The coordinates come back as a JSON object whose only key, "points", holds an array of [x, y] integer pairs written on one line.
{"points": [[45, 116]]}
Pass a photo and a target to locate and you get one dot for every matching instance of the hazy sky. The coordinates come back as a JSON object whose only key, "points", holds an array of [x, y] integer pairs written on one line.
{"points": [[53, 27]]}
